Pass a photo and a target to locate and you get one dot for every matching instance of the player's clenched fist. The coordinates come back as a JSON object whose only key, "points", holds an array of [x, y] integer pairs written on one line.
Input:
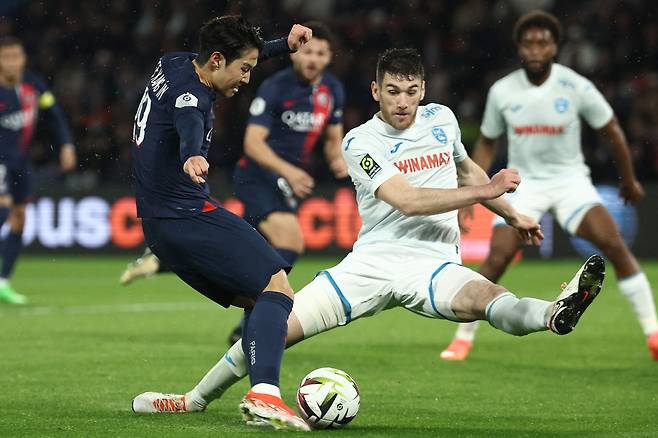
{"points": [[505, 181], [298, 36], [197, 167]]}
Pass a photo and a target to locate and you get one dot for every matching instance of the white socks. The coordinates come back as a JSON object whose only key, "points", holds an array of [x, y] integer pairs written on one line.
{"points": [[518, 316], [230, 368], [466, 330], [637, 290]]}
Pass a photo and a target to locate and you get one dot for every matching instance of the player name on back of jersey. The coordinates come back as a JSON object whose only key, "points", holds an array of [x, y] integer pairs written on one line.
{"points": [[158, 81]]}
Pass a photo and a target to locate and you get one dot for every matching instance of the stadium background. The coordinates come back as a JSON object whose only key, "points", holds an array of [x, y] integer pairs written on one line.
{"points": [[97, 64], [71, 360]]}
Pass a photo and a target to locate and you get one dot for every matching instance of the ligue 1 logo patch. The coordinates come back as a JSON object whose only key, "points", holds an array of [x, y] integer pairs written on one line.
{"points": [[440, 135], [561, 104], [370, 166], [186, 99]]}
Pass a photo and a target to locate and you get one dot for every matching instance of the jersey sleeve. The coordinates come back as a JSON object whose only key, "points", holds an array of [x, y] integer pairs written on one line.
{"points": [[593, 106], [189, 108], [263, 108], [339, 102], [48, 104], [365, 164], [493, 124], [459, 151]]}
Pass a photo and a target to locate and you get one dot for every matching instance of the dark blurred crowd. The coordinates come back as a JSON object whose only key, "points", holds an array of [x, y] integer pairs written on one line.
{"points": [[97, 56]]}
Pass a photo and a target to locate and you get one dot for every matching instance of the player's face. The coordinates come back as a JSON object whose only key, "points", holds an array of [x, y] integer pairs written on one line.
{"points": [[311, 59], [12, 62], [227, 79], [537, 49], [398, 97]]}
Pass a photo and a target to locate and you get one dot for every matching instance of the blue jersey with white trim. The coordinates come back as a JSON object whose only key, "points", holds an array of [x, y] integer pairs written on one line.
{"points": [[296, 114], [19, 111], [174, 90]]}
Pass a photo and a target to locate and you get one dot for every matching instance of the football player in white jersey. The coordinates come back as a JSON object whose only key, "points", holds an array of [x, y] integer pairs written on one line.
{"points": [[539, 107], [411, 174]]}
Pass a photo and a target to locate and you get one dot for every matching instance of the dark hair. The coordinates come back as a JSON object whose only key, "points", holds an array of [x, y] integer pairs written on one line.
{"points": [[400, 62], [10, 41], [540, 19], [229, 35], [321, 31]]}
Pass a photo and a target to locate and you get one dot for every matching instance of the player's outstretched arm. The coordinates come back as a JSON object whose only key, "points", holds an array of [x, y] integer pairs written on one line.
{"points": [[417, 201], [470, 174], [298, 36], [629, 187]]}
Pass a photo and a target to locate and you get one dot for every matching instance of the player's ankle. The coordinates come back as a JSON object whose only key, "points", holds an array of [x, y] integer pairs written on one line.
{"points": [[266, 388], [194, 399]]}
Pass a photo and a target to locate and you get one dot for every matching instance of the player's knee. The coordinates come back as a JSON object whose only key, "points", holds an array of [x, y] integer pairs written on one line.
{"points": [[17, 219], [499, 258], [471, 301], [279, 283], [612, 245]]}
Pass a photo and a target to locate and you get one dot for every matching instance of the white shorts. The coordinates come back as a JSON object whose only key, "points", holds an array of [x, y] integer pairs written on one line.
{"points": [[567, 200], [374, 278]]}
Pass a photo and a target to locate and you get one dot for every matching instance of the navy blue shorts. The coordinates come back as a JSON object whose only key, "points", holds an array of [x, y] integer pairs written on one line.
{"points": [[16, 180], [262, 194], [216, 253]]}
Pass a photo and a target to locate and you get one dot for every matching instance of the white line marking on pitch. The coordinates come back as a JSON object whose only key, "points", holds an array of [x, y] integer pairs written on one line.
{"points": [[106, 308]]}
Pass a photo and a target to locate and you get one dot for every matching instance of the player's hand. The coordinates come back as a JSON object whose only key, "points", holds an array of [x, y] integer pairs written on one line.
{"points": [[528, 228], [301, 182], [298, 36], [67, 157], [463, 215], [197, 168], [505, 181], [339, 168], [631, 190]]}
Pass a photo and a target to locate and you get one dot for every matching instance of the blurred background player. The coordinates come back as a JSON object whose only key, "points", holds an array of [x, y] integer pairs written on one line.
{"points": [[22, 95], [541, 105], [292, 111], [209, 248]]}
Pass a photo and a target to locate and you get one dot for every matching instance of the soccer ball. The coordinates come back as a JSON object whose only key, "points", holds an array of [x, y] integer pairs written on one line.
{"points": [[328, 397]]}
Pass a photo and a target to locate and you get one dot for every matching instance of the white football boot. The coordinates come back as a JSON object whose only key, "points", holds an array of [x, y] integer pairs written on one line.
{"points": [[577, 295]]}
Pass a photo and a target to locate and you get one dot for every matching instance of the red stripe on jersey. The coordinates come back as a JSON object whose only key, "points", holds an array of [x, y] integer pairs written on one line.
{"points": [[27, 96], [207, 206], [243, 162], [322, 103]]}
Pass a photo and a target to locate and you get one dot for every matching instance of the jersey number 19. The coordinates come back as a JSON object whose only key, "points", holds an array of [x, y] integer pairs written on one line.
{"points": [[139, 128]]}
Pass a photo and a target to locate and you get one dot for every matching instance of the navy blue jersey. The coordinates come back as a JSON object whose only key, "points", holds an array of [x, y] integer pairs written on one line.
{"points": [[174, 121], [296, 113], [19, 110], [174, 91]]}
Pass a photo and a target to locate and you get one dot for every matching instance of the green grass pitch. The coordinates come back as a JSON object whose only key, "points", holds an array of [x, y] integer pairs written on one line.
{"points": [[72, 360]]}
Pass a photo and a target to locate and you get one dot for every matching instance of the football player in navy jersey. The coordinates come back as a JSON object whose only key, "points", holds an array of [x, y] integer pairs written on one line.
{"points": [[22, 96], [212, 250], [292, 110]]}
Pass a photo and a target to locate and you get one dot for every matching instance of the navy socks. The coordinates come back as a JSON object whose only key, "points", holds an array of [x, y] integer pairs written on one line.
{"points": [[264, 337]]}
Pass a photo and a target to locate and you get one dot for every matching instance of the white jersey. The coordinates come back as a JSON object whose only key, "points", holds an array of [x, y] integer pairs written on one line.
{"points": [[425, 153], [543, 122]]}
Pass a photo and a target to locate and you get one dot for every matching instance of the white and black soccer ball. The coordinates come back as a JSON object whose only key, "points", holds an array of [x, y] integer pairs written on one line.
{"points": [[328, 397]]}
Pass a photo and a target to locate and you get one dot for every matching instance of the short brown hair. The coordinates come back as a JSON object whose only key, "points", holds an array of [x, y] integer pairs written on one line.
{"points": [[540, 19], [10, 41]]}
